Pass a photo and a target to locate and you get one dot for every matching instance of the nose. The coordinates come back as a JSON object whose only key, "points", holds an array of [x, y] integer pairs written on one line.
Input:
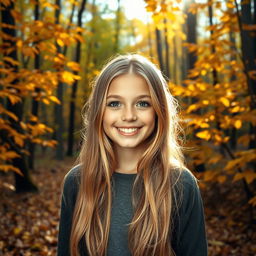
{"points": [[129, 114]]}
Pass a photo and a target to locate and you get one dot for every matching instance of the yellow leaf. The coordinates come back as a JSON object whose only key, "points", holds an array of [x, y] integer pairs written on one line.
{"points": [[249, 176], [54, 99], [23, 125], [225, 101], [238, 176], [203, 72], [218, 137], [14, 99], [204, 125], [11, 60], [232, 163], [192, 108], [204, 135], [238, 124], [235, 109], [209, 175], [8, 155], [7, 168], [33, 118], [74, 65], [18, 140], [60, 42], [19, 43], [45, 101]]}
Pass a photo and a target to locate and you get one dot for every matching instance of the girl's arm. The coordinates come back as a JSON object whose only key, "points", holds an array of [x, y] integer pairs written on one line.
{"points": [[68, 199], [191, 234]]}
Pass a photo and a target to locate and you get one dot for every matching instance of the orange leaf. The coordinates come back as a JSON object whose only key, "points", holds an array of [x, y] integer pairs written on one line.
{"points": [[204, 135], [238, 124]]}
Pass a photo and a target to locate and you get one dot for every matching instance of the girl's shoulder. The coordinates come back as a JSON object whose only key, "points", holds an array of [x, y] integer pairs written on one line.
{"points": [[73, 173], [72, 181], [184, 178], [185, 188]]}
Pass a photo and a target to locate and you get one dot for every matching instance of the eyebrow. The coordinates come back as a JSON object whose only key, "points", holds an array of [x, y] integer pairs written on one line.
{"points": [[120, 97]]}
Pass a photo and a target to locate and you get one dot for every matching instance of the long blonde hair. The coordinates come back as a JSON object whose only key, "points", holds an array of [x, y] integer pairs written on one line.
{"points": [[152, 196]]}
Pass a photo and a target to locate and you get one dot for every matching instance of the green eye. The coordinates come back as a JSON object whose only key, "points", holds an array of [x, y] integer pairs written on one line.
{"points": [[114, 104], [143, 104]]}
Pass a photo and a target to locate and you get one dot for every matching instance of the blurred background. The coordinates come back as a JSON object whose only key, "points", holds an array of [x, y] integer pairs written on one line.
{"points": [[50, 51]]}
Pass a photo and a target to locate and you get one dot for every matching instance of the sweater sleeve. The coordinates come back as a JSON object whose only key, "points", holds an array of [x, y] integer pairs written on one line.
{"points": [[68, 200], [191, 234]]}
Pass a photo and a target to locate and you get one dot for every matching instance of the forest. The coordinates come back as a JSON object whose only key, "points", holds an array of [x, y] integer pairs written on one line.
{"points": [[50, 52]]}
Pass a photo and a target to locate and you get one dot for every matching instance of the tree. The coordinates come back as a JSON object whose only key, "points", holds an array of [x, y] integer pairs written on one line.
{"points": [[74, 87]]}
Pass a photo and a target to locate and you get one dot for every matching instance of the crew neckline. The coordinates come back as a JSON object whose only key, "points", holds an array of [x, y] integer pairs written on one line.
{"points": [[125, 175]]}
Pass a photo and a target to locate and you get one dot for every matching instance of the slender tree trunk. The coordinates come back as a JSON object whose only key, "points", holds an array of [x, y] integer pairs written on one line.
{"points": [[150, 46], [35, 103], [167, 51], [58, 108], [74, 87], [248, 50], [159, 49], [22, 183], [117, 32], [191, 34], [233, 130]]}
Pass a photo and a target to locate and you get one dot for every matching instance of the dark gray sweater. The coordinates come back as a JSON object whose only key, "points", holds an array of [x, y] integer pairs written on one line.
{"points": [[189, 237]]}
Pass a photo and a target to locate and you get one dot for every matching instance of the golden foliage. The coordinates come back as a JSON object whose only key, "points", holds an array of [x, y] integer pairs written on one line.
{"points": [[216, 102], [20, 81]]}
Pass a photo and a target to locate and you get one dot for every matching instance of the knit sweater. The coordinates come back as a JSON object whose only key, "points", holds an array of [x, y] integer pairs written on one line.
{"points": [[188, 234]]}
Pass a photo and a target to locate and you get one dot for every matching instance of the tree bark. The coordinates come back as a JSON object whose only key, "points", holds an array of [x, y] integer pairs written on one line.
{"points": [[74, 87], [159, 49], [167, 51], [22, 183], [35, 103], [58, 108], [117, 32]]}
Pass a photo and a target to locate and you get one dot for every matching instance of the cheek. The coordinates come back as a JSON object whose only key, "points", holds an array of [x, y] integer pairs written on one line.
{"points": [[150, 118], [108, 118]]}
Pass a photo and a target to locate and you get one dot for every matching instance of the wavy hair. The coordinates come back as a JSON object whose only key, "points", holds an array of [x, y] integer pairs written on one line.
{"points": [[152, 197]]}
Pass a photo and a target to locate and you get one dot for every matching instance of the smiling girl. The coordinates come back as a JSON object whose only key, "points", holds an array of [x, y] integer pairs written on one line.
{"points": [[131, 193]]}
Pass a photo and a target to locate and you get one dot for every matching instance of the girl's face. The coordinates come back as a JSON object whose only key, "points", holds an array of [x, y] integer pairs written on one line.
{"points": [[129, 117]]}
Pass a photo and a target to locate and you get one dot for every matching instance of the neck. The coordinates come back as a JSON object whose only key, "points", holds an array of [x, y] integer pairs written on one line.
{"points": [[128, 159]]}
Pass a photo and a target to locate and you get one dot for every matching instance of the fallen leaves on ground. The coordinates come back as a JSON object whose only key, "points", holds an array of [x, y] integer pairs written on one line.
{"points": [[29, 221]]}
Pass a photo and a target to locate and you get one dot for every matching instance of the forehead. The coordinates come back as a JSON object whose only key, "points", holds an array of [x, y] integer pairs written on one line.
{"points": [[128, 84]]}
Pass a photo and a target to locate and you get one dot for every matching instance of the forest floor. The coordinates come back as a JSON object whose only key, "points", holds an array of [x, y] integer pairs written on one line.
{"points": [[29, 221]]}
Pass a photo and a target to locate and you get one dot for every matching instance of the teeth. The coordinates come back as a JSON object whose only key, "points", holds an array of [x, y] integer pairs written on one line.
{"points": [[128, 130]]}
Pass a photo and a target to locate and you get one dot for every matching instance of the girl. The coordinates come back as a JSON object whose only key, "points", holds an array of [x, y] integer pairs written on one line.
{"points": [[131, 193]]}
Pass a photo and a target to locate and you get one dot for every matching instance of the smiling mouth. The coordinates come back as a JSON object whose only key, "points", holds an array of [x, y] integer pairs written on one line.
{"points": [[128, 131]]}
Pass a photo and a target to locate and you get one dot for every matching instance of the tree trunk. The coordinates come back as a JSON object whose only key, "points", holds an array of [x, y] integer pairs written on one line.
{"points": [[159, 49], [35, 103], [117, 32], [191, 59], [22, 183], [191, 34], [58, 108], [248, 50], [74, 87], [167, 51]]}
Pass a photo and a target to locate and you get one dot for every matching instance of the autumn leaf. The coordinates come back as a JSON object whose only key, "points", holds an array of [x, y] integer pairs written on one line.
{"points": [[225, 101], [7, 168], [204, 135], [11, 60], [238, 124], [54, 99]]}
